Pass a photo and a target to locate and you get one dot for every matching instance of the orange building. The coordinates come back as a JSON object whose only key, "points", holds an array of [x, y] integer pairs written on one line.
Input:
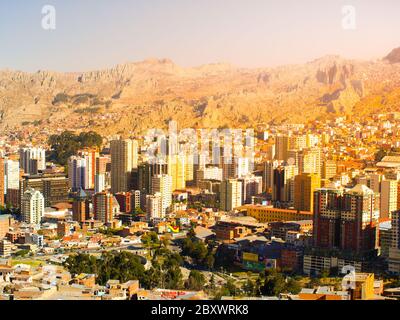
{"points": [[266, 214], [226, 231]]}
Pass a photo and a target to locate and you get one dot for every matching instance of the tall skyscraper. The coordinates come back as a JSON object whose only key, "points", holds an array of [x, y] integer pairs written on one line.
{"points": [[162, 184], [32, 160], [346, 219], [230, 194], [268, 175], [394, 249], [146, 173], [242, 167], [90, 156], [388, 198], [101, 164], [124, 159], [32, 206], [105, 206], [11, 175], [304, 187], [177, 170], [283, 189], [77, 174], [281, 147], [251, 186]]}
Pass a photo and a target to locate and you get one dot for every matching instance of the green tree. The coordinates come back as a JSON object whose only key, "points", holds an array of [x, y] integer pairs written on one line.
{"points": [[67, 144], [196, 281], [123, 266], [274, 284], [293, 286], [151, 241], [249, 288]]}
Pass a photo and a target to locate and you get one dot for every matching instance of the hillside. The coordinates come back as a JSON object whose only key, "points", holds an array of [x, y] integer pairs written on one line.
{"points": [[136, 96]]}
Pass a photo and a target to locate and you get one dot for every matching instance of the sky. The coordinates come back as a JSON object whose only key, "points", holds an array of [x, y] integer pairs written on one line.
{"points": [[97, 34]]}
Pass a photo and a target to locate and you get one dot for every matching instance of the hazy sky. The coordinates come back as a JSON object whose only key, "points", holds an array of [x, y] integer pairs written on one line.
{"points": [[92, 34]]}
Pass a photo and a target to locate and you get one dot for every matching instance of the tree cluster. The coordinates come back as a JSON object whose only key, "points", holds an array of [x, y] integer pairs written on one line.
{"points": [[199, 252], [68, 144]]}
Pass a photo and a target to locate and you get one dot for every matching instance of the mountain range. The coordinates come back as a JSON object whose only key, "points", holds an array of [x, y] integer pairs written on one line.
{"points": [[133, 97]]}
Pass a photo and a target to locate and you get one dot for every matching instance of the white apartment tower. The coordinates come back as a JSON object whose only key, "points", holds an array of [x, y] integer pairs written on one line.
{"points": [[162, 184], [32, 206]]}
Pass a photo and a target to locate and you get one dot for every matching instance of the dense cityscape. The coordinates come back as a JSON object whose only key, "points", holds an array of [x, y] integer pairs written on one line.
{"points": [[278, 212], [199, 159]]}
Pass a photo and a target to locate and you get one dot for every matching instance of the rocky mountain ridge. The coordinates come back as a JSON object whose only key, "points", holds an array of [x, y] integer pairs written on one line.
{"points": [[133, 97]]}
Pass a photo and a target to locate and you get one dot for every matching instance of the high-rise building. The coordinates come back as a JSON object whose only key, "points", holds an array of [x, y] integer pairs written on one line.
{"points": [[312, 140], [282, 146], [231, 194], [32, 206], [124, 159], [283, 189], [268, 175], [298, 142], [310, 161], [329, 169], [100, 182], [228, 168], [177, 170], [54, 187], [90, 156], [154, 206], [304, 187], [162, 184], [137, 200], [189, 168], [346, 219], [209, 173], [146, 172], [105, 206], [11, 175], [124, 200], [101, 164], [374, 182], [77, 173], [32, 160], [251, 186], [388, 198], [394, 249], [80, 207]]}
